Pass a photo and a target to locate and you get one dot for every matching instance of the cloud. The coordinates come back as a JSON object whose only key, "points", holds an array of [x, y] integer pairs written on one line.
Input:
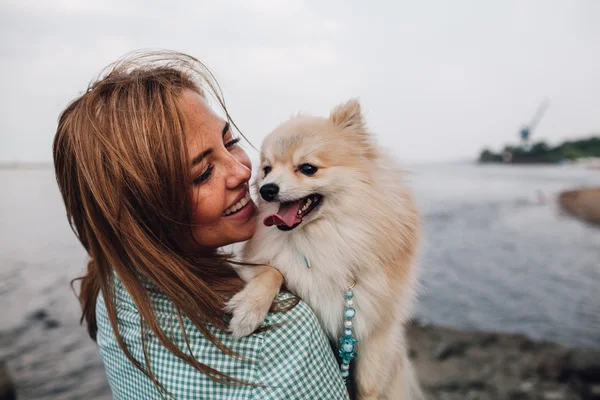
{"points": [[438, 80]]}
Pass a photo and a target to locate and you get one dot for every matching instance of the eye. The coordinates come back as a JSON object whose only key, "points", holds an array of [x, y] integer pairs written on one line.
{"points": [[204, 176], [308, 169], [266, 170], [232, 143]]}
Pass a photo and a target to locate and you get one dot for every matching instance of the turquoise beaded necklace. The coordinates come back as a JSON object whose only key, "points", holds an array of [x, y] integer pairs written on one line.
{"points": [[348, 341]]}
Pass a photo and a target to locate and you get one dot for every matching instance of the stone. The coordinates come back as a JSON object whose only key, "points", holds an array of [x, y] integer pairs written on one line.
{"points": [[445, 350], [412, 353], [38, 315], [517, 394], [525, 344], [486, 340], [7, 387], [585, 363], [553, 395], [51, 323], [551, 364], [594, 392], [527, 386], [579, 387]]}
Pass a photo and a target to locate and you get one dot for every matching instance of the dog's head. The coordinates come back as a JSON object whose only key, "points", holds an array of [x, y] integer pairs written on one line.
{"points": [[309, 165]]}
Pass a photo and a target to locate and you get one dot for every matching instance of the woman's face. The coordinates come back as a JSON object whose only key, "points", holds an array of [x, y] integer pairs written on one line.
{"points": [[223, 212]]}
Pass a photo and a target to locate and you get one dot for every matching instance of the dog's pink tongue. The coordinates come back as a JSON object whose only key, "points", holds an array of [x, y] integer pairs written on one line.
{"points": [[287, 215]]}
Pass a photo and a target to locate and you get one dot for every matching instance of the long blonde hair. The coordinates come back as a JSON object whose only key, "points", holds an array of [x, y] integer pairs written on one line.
{"points": [[122, 167]]}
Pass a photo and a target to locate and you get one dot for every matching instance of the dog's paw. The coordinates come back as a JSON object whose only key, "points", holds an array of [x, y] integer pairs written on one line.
{"points": [[249, 309]]}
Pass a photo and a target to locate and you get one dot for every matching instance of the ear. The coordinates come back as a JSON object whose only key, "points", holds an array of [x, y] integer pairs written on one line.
{"points": [[347, 115]]}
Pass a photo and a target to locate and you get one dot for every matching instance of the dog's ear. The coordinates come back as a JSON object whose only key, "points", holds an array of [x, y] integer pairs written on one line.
{"points": [[347, 115]]}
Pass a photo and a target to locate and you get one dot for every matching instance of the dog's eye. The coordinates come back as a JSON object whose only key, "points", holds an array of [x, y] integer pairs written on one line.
{"points": [[308, 169], [266, 170]]}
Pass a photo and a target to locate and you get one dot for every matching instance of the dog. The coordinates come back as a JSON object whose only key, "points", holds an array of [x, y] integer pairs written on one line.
{"points": [[335, 213]]}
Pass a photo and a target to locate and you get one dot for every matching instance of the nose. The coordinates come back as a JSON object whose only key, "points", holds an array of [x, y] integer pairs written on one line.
{"points": [[238, 170], [269, 191]]}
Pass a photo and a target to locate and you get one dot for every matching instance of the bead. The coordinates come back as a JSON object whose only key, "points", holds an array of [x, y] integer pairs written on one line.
{"points": [[348, 341], [349, 313], [348, 347], [349, 357]]}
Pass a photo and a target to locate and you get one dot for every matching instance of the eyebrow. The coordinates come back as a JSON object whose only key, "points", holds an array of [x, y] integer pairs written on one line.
{"points": [[198, 159]]}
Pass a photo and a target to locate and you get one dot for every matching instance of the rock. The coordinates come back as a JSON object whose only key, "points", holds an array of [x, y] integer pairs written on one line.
{"points": [[38, 315], [469, 365], [51, 324], [553, 395], [455, 385], [577, 386], [412, 354], [7, 387], [527, 386], [594, 392], [445, 350], [486, 340], [448, 385], [551, 364], [525, 344], [585, 363], [517, 394]]}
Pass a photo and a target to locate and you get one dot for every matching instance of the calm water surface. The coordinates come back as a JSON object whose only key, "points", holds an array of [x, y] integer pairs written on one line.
{"points": [[498, 255]]}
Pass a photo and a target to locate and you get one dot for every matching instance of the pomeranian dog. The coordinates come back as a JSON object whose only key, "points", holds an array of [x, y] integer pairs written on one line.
{"points": [[335, 214]]}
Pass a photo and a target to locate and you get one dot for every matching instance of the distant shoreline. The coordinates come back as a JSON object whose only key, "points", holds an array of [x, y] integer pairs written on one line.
{"points": [[584, 150], [25, 165]]}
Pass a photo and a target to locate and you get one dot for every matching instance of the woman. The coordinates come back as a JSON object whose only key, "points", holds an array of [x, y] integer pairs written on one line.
{"points": [[154, 183]]}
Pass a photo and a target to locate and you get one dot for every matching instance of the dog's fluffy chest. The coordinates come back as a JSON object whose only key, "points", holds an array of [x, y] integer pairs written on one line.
{"points": [[334, 253], [320, 273], [322, 291]]}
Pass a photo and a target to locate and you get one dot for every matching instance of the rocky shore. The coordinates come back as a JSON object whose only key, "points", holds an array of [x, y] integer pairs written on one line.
{"points": [[462, 365], [582, 203]]}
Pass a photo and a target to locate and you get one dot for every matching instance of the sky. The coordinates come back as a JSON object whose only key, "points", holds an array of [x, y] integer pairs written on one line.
{"points": [[438, 80]]}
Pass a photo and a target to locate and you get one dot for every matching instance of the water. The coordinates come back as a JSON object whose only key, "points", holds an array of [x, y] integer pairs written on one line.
{"points": [[499, 254], [494, 258]]}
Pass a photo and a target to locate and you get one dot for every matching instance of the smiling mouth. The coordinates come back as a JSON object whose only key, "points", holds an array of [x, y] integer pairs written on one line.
{"points": [[291, 213], [234, 209]]}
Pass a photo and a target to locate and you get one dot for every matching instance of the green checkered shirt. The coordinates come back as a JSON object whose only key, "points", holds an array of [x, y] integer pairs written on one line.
{"points": [[291, 361]]}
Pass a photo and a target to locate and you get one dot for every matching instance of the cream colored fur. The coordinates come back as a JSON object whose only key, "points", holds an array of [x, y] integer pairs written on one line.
{"points": [[365, 230]]}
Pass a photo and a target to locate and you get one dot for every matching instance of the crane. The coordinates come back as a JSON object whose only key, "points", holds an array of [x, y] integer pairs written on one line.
{"points": [[528, 129]]}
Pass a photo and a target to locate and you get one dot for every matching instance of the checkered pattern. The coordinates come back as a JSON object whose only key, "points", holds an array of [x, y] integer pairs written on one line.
{"points": [[291, 361]]}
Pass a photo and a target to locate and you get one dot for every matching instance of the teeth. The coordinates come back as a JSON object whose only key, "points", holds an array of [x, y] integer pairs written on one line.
{"points": [[237, 206], [305, 206]]}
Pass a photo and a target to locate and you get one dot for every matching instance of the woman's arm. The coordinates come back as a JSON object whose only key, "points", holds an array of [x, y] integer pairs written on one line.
{"points": [[296, 360], [292, 360]]}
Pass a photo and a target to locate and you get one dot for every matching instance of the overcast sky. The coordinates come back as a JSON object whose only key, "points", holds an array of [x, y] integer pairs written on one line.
{"points": [[438, 79]]}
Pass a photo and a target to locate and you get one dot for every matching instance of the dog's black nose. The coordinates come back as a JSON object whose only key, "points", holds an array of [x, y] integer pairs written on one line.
{"points": [[269, 191]]}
